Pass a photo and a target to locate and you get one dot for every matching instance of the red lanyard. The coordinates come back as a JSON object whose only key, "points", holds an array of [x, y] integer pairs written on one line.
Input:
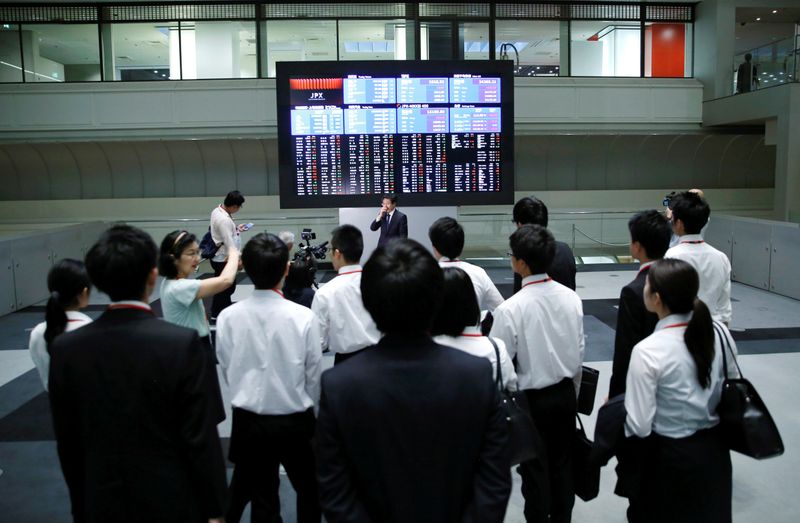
{"points": [[350, 272], [537, 281], [450, 261], [694, 241], [472, 335], [645, 268], [676, 325], [126, 306], [279, 293]]}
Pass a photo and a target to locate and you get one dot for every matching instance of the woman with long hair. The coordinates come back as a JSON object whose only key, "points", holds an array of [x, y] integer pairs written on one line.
{"points": [[457, 325], [674, 385], [69, 288], [182, 297]]}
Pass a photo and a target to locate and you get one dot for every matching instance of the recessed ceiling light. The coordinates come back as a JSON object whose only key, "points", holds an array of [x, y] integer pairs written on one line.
{"points": [[758, 19], [774, 11]]}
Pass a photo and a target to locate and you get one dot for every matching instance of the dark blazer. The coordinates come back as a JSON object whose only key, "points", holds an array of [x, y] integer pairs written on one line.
{"points": [[397, 228], [134, 422], [634, 324], [561, 270], [412, 431]]}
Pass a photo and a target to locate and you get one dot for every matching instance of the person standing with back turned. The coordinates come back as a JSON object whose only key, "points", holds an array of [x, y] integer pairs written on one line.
{"points": [[132, 413]]}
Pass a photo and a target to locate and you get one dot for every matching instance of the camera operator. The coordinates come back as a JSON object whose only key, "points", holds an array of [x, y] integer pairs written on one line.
{"points": [[299, 284], [667, 203]]}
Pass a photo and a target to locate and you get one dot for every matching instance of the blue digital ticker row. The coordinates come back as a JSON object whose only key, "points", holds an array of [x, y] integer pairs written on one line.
{"points": [[403, 120], [421, 90]]}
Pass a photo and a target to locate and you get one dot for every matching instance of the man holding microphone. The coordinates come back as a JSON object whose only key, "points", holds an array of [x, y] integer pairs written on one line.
{"points": [[391, 222]]}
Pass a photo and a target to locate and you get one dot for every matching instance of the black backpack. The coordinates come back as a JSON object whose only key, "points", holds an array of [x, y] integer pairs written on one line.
{"points": [[207, 246]]}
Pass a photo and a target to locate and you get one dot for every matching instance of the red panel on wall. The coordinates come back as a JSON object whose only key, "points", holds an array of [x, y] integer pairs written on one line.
{"points": [[669, 47]]}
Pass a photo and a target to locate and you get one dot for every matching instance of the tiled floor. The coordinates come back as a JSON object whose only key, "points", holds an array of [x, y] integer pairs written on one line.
{"points": [[767, 330]]}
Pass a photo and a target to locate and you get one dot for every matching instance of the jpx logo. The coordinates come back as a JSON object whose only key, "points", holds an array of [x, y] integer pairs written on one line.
{"points": [[317, 96]]}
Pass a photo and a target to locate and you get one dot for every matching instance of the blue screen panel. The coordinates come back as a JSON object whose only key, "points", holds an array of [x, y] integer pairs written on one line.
{"points": [[422, 90], [369, 91], [422, 120], [475, 120], [370, 121], [474, 90], [317, 121]]}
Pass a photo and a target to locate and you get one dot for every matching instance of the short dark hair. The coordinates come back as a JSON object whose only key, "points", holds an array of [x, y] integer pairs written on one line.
{"points": [[530, 210], [447, 236], [233, 199], [692, 210], [264, 258], [460, 307], [534, 245], [349, 241], [171, 250], [392, 197], [653, 231], [302, 272], [121, 261], [401, 287]]}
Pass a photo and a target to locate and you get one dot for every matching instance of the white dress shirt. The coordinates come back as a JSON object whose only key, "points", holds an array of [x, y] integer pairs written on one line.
{"points": [[344, 324], [473, 342], [488, 295], [542, 325], [663, 394], [38, 347], [224, 231], [714, 270], [269, 353]]}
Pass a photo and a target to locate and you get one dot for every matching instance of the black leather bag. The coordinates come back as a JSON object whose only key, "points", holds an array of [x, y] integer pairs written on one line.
{"points": [[585, 473], [588, 390], [524, 441], [747, 426]]}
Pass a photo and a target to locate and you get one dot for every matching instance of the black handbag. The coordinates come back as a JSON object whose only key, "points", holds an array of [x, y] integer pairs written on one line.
{"points": [[585, 474], [747, 426], [588, 390], [524, 441]]}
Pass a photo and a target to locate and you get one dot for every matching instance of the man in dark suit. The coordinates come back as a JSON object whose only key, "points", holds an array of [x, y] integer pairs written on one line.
{"points": [[391, 222], [531, 210], [409, 430], [650, 234], [132, 412]]}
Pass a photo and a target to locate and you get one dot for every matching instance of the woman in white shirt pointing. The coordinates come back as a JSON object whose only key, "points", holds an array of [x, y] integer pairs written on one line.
{"points": [[457, 325], [673, 388], [69, 287]]}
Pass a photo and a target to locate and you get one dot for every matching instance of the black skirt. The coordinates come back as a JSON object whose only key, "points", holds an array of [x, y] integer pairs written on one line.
{"points": [[683, 480]]}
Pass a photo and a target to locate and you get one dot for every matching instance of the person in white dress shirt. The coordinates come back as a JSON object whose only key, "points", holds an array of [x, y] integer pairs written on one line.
{"points": [[456, 325], [269, 351], [344, 324], [689, 215], [673, 388], [447, 238], [226, 234], [69, 286], [542, 326]]}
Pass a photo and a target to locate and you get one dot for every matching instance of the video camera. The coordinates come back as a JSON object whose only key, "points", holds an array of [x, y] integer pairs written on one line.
{"points": [[667, 201], [307, 250]]}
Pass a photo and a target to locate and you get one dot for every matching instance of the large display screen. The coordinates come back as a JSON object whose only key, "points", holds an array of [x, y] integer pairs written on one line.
{"points": [[434, 132]]}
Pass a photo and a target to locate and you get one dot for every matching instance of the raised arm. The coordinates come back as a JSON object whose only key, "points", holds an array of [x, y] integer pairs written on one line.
{"points": [[212, 286]]}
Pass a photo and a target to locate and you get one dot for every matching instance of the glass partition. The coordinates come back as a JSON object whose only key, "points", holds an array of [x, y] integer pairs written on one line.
{"points": [[372, 40], [61, 52], [605, 48], [667, 50], [535, 45], [10, 54], [298, 40], [769, 65]]}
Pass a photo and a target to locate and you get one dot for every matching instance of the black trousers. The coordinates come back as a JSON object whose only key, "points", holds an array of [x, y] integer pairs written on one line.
{"points": [[547, 485], [218, 405], [221, 299], [259, 445], [686, 479]]}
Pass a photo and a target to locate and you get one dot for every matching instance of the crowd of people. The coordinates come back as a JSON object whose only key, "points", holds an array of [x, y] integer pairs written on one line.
{"points": [[408, 425]]}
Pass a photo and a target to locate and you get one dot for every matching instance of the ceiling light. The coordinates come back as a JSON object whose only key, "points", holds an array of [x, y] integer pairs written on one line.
{"points": [[155, 71], [758, 19], [774, 11]]}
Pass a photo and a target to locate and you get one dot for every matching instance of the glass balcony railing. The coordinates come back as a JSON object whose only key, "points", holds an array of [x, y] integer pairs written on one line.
{"points": [[774, 64]]}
